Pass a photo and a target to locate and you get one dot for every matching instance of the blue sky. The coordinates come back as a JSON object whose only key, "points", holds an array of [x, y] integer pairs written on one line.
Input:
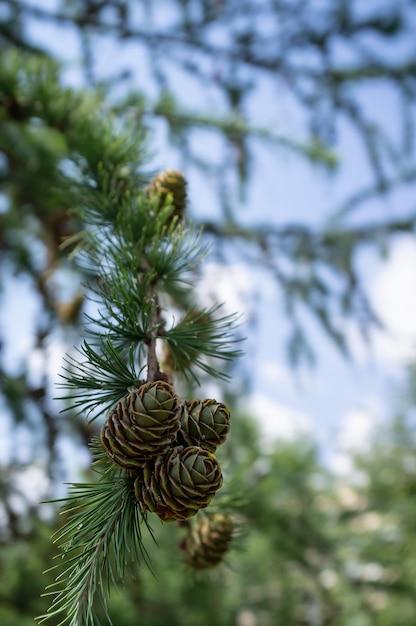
{"points": [[338, 402]]}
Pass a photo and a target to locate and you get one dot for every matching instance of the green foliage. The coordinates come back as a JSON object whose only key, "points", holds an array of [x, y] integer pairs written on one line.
{"points": [[202, 333], [99, 380], [101, 537], [141, 264], [71, 168], [320, 550]]}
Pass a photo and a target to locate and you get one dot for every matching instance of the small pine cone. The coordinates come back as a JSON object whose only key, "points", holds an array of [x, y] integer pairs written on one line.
{"points": [[205, 424], [179, 483], [171, 182], [142, 425], [209, 540]]}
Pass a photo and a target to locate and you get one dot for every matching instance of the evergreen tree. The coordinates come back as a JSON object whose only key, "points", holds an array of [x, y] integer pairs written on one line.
{"points": [[315, 267], [73, 178], [141, 259]]}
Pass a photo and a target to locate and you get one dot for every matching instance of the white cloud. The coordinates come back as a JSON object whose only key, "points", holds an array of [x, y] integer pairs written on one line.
{"points": [[274, 373], [355, 435], [393, 293], [33, 482], [231, 284], [358, 428], [50, 362], [395, 288], [55, 359], [278, 421]]}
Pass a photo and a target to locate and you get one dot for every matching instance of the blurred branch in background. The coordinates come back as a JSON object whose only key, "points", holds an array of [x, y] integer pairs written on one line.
{"points": [[321, 60]]}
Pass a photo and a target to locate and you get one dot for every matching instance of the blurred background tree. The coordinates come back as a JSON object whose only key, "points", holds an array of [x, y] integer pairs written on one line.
{"points": [[197, 73], [317, 549]]}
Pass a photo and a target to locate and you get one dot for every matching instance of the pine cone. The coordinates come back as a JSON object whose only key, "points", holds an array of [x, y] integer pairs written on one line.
{"points": [[205, 424], [209, 540], [179, 483], [142, 425], [171, 182]]}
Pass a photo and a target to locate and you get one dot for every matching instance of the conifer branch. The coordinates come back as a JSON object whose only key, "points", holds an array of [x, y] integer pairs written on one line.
{"points": [[153, 369], [101, 536], [99, 380], [140, 260]]}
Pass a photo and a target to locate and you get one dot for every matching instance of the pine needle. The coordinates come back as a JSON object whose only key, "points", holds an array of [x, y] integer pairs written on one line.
{"points": [[101, 536]]}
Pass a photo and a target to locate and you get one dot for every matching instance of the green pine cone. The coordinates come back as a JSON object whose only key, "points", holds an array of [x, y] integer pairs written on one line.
{"points": [[142, 425], [204, 423], [179, 483], [207, 543], [171, 182]]}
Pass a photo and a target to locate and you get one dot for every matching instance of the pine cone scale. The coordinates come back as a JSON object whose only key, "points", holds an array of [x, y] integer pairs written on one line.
{"points": [[142, 426], [177, 472], [206, 545], [173, 488], [205, 424], [171, 185]]}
